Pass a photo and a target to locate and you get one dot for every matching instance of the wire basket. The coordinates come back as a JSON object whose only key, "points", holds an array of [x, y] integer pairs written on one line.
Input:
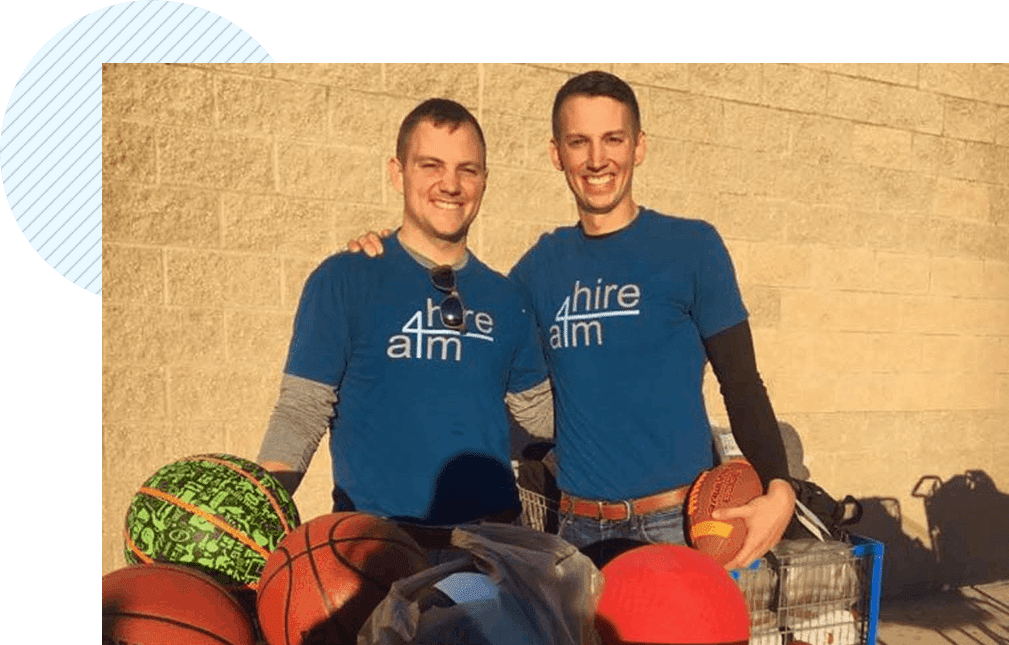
{"points": [[820, 593]]}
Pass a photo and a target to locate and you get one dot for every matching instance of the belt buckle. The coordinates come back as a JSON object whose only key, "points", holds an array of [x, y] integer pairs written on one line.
{"points": [[630, 508], [599, 510]]}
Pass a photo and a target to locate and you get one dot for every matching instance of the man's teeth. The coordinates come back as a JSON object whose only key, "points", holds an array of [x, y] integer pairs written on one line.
{"points": [[447, 205], [598, 181]]}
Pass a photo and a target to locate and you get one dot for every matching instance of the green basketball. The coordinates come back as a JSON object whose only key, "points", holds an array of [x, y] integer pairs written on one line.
{"points": [[218, 513]]}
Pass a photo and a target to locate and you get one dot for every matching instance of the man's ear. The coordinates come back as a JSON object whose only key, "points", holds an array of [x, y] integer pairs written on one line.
{"points": [[639, 148], [396, 174], [555, 155]]}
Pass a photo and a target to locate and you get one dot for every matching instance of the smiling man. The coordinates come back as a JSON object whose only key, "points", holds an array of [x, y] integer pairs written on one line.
{"points": [[408, 358], [631, 304]]}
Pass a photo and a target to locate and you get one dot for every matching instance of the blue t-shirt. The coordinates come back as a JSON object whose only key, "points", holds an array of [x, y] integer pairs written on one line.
{"points": [[420, 431], [621, 317]]}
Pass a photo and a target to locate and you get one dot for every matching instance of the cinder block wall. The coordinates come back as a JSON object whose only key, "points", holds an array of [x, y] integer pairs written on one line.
{"points": [[866, 208]]}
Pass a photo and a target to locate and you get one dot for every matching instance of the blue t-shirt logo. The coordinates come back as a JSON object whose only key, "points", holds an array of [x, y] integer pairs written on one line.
{"points": [[425, 338], [581, 314]]}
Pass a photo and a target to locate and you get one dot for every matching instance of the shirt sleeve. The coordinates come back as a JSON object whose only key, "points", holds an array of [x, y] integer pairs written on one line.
{"points": [[300, 419], [530, 416], [320, 343], [751, 416], [718, 304], [528, 366]]}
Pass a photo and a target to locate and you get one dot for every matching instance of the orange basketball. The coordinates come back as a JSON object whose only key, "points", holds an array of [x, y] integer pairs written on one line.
{"points": [[165, 604], [324, 579]]}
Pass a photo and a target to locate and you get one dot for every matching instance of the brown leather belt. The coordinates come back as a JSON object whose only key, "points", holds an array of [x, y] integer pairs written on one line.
{"points": [[616, 511]]}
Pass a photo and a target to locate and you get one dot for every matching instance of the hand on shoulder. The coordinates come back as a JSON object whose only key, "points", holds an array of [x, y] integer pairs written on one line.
{"points": [[370, 243]]}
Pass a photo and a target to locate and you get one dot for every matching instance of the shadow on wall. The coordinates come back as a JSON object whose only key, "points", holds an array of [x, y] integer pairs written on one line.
{"points": [[968, 521]]}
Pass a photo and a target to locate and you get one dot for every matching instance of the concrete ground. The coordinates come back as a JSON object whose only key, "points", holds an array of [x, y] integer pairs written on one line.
{"points": [[977, 615]]}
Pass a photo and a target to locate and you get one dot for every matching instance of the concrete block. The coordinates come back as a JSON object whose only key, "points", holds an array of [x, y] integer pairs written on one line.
{"points": [[900, 272], [218, 279], [998, 206], [995, 283], [211, 159], [757, 128], [133, 393], [830, 225], [981, 240], [838, 185], [674, 76], [883, 231], [928, 315], [843, 268], [965, 119], [931, 235], [737, 81], [664, 165], [902, 191], [678, 115], [457, 81], [883, 104], [960, 277], [159, 215], [983, 317], [330, 173], [507, 139], [891, 353], [128, 152], [158, 335], [277, 225], [357, 119], [157, 94], [752, 218], [880, 146], [958, 79], [827, 433], [822, 139], [839, 311], [1002, 126], [258, 337], [221, 393], [780, 265], [525, 196], [961, 199], [266, 106], [131, 274], [794, 88], [521, 89], [537, 133], [251, 68], [900, 74], [981, 81], [353, 76], [763, 304]]}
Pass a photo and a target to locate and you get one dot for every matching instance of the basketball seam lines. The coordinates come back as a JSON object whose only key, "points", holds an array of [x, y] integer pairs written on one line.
{"points": [[132, 614], [216, 521], [269, 494]]}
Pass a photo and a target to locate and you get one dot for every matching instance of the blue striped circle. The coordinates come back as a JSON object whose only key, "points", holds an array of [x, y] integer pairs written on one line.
{"points": [[51, 143]]}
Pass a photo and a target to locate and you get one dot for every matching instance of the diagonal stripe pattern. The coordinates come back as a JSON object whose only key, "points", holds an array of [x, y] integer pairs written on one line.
{"points": [[51, 142]]}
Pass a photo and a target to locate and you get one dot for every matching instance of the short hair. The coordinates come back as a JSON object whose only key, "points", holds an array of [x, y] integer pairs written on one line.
{"points": [[439, 112], [596, 83]]}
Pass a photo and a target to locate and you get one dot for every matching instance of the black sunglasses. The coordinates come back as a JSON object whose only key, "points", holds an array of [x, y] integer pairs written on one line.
{"points": [[453, 313]]}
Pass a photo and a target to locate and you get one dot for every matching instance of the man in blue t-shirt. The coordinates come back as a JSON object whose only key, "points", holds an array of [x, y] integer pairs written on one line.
{"points": [[408, 359], [631, 304]]}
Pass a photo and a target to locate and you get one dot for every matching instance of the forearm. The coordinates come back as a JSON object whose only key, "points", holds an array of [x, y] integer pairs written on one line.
{"points": [[300, 419], [751, 416]]}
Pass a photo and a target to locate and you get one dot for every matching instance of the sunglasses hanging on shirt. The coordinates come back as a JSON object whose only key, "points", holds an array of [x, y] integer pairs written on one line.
{"points": [[451, 309]]}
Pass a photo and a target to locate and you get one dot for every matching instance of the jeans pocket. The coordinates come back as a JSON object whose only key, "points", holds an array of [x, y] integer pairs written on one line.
{"points": [[664, 527]]}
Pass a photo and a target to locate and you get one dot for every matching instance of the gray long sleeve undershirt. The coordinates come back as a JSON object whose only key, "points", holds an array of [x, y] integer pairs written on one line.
{"points": [[305, 410]]}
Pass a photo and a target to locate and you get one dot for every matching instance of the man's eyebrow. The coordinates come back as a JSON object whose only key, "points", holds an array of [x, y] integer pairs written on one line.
{"points": [[423, 158]]}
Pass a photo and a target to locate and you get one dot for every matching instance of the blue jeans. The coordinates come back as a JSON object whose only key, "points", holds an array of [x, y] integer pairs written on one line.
{"points": [[661, 527]]}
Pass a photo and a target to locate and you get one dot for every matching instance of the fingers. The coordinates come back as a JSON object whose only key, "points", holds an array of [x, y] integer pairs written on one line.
{"points": [[736, 512], [370, 243]]}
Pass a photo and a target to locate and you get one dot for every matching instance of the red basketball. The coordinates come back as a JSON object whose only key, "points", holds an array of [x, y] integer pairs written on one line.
{"points": [[166, 604], [731, 484], [326, 577]]}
